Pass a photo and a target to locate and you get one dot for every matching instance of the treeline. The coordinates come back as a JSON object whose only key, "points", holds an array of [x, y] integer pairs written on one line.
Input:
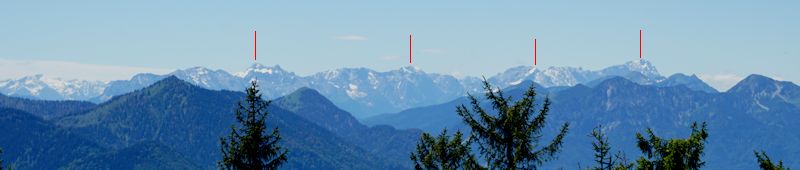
{"points": [[252, 146], [511, 139]]}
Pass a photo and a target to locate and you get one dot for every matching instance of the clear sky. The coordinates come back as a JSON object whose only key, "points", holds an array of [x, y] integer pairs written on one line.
{"points": [[716, 39]]}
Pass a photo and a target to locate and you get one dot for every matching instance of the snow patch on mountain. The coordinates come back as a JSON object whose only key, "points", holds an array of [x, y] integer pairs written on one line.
{"points": [[258, 69], [642, 71], [264, 70], [41, 87], [198, 75], [362, 91], [353, 92]]}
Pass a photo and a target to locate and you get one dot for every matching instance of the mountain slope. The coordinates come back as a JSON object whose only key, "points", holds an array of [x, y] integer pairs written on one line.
{"points": [[435, 118], [762, 87], [756, 114], [30, 142], [624, 108], [384, 141], [691, 82], [119, 87], [145, 155], [45, 109], [191, 119]]}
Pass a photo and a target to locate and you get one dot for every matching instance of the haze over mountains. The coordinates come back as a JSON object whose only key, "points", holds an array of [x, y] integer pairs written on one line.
{"points": [[361, 91], [176, 120]]}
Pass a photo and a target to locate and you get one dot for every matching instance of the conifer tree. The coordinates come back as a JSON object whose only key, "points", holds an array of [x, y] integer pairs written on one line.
{"points": [[509, 139], [1, 160], [766, 164], [602, 155], [251, 146], [443, 153], [661, 153]]}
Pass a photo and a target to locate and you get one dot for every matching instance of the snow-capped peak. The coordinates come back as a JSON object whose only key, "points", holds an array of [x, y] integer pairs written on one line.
{"points": [[257, 65], [410, 69], [261, 69], [198, 75], [34, 86], [198, 70], [531, 71], [570, 76], [642, 66], [30, 84]]}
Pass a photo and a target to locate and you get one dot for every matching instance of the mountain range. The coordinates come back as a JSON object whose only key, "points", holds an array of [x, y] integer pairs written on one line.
{"points": [[361, 91], [759, 113], [176, 122]]}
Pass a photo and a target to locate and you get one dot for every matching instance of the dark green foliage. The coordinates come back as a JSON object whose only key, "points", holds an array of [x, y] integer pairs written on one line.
{"points": [[601, 149], [250, 147], [145, 155], [509, 139], [602, 157], [766, 164], [186, 118], [190, 119], [443, 153], [45, 109], [672, 153], [1, 160], [29, 142], [383, 144]]}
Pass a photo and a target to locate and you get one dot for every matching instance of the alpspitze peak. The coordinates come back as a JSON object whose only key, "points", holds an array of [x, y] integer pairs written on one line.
{"points": [[259, 65], [260, 68], [641, 64], [410, 69], [532, 70], [198, 68]]}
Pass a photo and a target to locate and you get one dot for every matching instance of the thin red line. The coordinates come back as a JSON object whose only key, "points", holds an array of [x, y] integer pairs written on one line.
{"points": [[254, 46], [410, 52], [534, 51], [640, 43]]}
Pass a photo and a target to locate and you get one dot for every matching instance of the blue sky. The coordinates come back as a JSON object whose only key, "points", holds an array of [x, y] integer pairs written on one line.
{"points": [[716, 39]]}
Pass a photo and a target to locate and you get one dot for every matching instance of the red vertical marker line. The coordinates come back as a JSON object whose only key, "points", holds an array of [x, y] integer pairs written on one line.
{"points": [[410, 49], [254, 46], [640, 43]]}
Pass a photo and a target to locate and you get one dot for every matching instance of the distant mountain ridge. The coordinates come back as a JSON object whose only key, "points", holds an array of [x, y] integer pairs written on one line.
{"points": [[40, 87], [361, 91], [571, 76], [45, 109], [177, 124], [173, 124], [190, 119], [759, 113]]}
